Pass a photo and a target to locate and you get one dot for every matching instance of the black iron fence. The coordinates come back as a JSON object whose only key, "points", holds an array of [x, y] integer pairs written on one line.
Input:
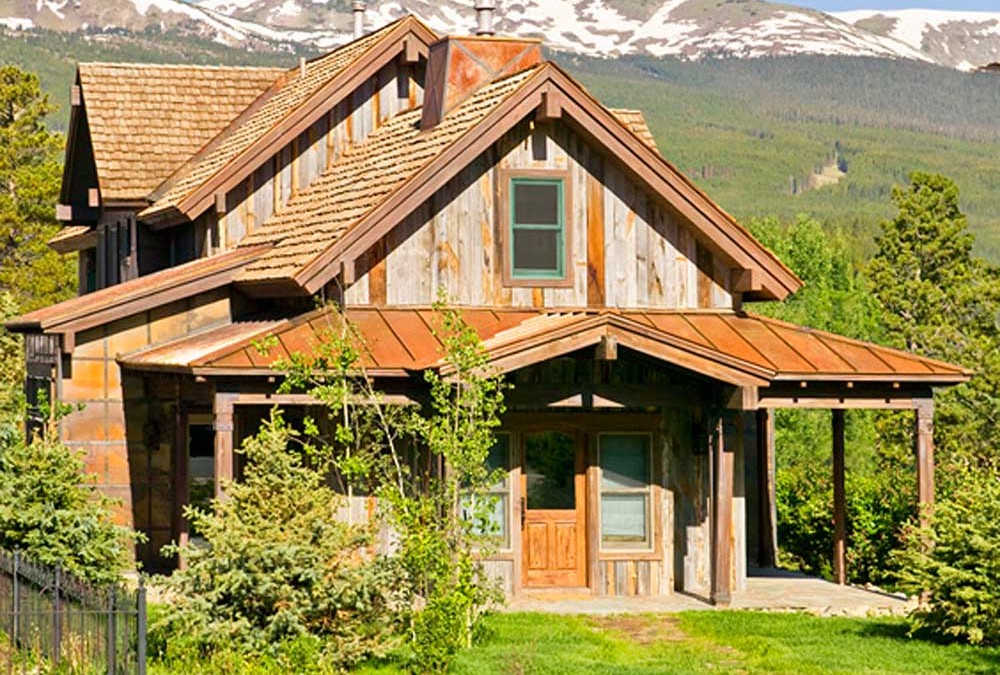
{"points": [[50, 621]]}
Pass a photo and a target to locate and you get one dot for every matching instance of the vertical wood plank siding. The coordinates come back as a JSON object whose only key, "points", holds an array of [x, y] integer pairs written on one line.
{"points": [[627, 249], [393, 89]]}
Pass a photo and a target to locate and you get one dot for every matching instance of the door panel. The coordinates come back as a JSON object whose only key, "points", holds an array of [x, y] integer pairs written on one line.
{"points": [[554, 514]]}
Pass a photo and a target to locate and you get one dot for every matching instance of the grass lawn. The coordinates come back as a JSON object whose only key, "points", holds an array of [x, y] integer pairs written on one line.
{"points": [[709, 642]]}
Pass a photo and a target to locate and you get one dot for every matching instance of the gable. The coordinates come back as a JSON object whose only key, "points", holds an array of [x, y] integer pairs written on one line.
{"points": [[314, 244], [286, 111], [624, 247]]}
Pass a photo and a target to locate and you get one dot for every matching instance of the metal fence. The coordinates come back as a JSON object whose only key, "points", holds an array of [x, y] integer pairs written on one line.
{"points": [[51, 621]]}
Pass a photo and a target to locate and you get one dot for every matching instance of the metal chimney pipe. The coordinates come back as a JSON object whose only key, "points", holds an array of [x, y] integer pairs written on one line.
{"points": [[358, 7], [484, 16]]}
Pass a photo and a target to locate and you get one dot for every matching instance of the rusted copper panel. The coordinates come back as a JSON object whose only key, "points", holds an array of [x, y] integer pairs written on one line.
{"points": [[385, 349], [415, 334], [812, 349], [769, 344], [862, 358], [87, 382], [678, 326], [904, 364], [727, 339]]}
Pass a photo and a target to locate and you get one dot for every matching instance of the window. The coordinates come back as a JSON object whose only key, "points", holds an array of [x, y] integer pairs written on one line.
{"points": [[201, 466], [493, 519], [537, 229], [626, 469]]}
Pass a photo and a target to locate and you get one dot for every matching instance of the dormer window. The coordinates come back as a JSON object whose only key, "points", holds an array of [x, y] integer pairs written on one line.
{"points": [[537, 241]]}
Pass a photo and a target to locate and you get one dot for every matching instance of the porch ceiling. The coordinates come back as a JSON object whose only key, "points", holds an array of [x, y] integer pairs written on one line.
{"points": [[735, 348]]}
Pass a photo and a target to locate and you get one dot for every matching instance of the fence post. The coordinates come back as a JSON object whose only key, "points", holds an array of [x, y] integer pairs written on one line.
{"points": [[141, 627], [15, 628], [111, 632], [57, 616]]}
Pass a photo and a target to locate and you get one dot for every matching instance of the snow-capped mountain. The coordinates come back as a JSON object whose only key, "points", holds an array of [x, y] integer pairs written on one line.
{"points": [[689, 29], [964, 40]]}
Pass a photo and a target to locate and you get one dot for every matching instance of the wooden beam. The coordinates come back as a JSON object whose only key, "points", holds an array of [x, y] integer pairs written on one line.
{"points": [[75, 95], [767, 541], [347, 277], [839, 501], [551, 106], [923, 440], [722, 519], [411, 51], [64, 213], [224, 440], [745, 280], [741, 398], [93, 198], [220, 203], [607, 348]]}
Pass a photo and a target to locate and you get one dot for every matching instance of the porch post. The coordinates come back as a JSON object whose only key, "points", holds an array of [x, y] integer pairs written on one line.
{"points": [[923, 440], [839, 501], [223, 425], [767, 544], [722, 523]]}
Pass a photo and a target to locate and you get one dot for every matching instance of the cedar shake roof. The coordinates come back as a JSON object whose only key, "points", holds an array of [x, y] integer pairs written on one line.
{"points": [[278, 103], [153, 290], [147, 120], [735, 347], [635, 122], [364, 177]]}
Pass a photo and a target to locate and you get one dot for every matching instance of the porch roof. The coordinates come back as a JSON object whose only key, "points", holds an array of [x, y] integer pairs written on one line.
{"points": [[736, 348]]}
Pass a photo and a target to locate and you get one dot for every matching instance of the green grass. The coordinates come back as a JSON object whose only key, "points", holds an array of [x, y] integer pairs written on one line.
{"points": [[709, 642]]}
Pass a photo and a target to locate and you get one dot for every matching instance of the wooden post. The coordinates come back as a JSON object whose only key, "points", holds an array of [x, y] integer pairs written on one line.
{"points": [[839, 501], [923, 441], [767, 540], [224, 403], [722, 523]]}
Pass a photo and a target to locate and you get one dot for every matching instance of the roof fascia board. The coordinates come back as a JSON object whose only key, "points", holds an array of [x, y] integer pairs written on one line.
{"points": [[306, 114], [72, 137], [520, 103], [84, 319]]}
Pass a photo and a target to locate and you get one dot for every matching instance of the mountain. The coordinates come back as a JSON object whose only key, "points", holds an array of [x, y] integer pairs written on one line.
{"points": [[689, 29], [963, 40]]}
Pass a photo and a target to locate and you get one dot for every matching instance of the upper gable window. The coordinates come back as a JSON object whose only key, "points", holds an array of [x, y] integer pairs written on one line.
{"points": [[537, 237]]}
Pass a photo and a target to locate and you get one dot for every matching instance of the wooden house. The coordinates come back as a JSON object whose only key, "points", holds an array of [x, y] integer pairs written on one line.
{"points": [[212, 207]]}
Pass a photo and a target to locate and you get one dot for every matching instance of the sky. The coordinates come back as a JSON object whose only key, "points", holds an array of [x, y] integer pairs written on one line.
{"points": [[840, 5]]}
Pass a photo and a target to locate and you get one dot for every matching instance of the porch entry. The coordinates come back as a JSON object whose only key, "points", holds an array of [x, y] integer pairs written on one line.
{"points": [[553, 508]]}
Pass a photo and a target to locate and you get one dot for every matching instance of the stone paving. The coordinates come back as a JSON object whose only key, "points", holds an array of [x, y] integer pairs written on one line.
{"points": [[767, 590]]}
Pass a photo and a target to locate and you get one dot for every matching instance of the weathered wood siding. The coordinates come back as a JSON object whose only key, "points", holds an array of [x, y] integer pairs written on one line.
{"points": [[128, 456], [627, 250], [395, 88]]}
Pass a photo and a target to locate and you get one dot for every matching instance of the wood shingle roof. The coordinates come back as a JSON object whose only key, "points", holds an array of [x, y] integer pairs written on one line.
{"points": [[146, 120]]}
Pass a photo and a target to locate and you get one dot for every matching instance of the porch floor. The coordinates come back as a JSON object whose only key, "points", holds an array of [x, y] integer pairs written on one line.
{"points": [[767, 589]]}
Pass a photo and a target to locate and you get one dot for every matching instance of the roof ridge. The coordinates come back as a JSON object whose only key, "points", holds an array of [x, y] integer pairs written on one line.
{"points": [[281, 84], [173, 66]]}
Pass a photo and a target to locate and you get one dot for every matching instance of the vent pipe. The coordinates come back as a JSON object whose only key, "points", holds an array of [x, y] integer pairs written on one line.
{"points": [[358, 8], [484, 16]]}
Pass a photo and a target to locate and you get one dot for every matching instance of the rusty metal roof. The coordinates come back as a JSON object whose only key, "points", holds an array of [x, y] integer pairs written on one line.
{"points": [[133, 296], [733, 347]]}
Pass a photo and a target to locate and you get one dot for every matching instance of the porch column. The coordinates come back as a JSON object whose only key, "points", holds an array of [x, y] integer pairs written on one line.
{"points": [[722, 523], [839, 501], [223, 425], [923, 441], [767, 531]]}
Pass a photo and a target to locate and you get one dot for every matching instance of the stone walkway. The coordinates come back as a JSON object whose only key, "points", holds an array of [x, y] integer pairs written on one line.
{"points": [[767, 590]]}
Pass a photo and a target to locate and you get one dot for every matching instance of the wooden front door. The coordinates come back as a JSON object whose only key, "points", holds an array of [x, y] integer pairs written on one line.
{"points": [[554, 510]]}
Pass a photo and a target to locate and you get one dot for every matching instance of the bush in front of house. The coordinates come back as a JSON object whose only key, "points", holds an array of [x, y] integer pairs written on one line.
{"points": [[956, 561], [278, 574], [50, 511]]}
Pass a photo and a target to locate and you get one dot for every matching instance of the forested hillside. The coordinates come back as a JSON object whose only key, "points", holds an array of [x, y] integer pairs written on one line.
{"points": [[751, 132]]}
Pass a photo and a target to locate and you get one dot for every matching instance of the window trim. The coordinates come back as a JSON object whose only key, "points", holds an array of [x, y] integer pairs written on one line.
{"points": [[505, 545], [648, 546], [506, 222]]}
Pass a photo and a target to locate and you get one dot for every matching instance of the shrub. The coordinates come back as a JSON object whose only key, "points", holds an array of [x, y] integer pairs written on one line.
{"points": [[279, 574], [50, 512], [956, 562]]}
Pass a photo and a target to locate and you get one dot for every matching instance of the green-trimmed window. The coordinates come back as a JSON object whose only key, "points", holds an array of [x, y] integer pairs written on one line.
{"points": [[537, 228], [626, 472], [492, 517]]}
